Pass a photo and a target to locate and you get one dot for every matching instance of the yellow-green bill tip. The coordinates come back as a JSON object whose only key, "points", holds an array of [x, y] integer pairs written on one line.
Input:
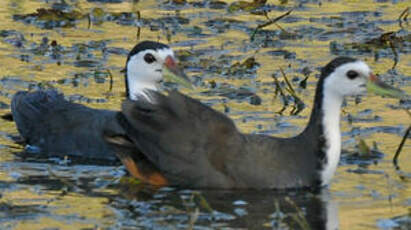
{"points": [[173, 73], [380, 88], [178, 77]]}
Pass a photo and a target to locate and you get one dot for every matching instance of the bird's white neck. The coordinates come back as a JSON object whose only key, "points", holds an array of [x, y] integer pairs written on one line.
{"points": [[136, 90], [331, 109]]}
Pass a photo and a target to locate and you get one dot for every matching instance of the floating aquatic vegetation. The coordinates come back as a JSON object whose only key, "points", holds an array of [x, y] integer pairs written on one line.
{"points": [[403, 18], [331, 21], [241, 94], [269, 22], [84, 99], [90, 63], [49, 49], [363, 116], [363, 148], [195, 32], [288, 214], [13, 37], [299, 216], [361, 169], [7, 33], [388, 44], [247, 67], [106, 1], [4, 105], [15, 82], [96, 17], [82, 78], [286, 54], [115, 50], [399, 222], [188, 210], [306, 71], [246, 6], [221, 25], [289, 97], [8, 209], [69, 16], [366, 131], [403, 104], [90, 45], [215, 4], [50, 18], [123, 18], [178, 2]]}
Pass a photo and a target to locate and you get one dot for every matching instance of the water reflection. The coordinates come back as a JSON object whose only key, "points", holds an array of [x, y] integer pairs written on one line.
{"points": [[234, 209], [136, 205]]}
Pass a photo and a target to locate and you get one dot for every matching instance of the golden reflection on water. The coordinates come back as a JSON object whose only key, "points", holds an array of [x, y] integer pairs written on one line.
{"points": [[355, 193], [69, 208]]}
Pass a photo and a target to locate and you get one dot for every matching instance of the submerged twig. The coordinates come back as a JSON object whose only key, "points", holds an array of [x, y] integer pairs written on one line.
{"points": [[111, 80], [89, 21], [13, 147], [138, 25], [299, 217], [7, 117], [111, 83], [203, 202], [394, 51], [277, 87], [298, 103], [278, 26], [65, 181], [193, 218], [404, 16], [397, 153], [270, 22], [290, 87], [390, 39]]}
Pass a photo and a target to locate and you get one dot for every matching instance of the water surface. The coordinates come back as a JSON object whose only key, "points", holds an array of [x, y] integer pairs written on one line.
{"points": [[70, 45]]}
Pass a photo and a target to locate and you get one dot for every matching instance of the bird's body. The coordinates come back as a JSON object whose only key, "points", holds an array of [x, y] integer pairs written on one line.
{"points": [[200, 147], [194, 146], [57, 127]]}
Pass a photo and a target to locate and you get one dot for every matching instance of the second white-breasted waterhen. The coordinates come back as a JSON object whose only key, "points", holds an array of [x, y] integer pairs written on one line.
{"points": [[57, 127], [194, 146]]}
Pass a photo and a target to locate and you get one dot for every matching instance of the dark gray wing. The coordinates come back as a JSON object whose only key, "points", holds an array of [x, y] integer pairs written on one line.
{"points": [[186, 140], [58, 127]]}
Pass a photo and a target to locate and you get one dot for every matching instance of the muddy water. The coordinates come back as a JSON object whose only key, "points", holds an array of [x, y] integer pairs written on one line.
{"points": [[73, 50]]}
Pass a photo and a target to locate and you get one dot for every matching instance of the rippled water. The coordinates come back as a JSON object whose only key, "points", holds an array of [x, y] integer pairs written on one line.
{"points": [[71, 45]]}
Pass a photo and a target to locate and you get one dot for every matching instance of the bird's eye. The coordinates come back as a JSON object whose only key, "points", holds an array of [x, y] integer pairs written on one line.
{"points": [[149, 58], [352, 74]]}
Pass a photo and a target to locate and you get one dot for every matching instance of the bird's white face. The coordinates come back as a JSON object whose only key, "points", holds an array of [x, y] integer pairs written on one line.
{"points": [[349, 79], [145, 70]]}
